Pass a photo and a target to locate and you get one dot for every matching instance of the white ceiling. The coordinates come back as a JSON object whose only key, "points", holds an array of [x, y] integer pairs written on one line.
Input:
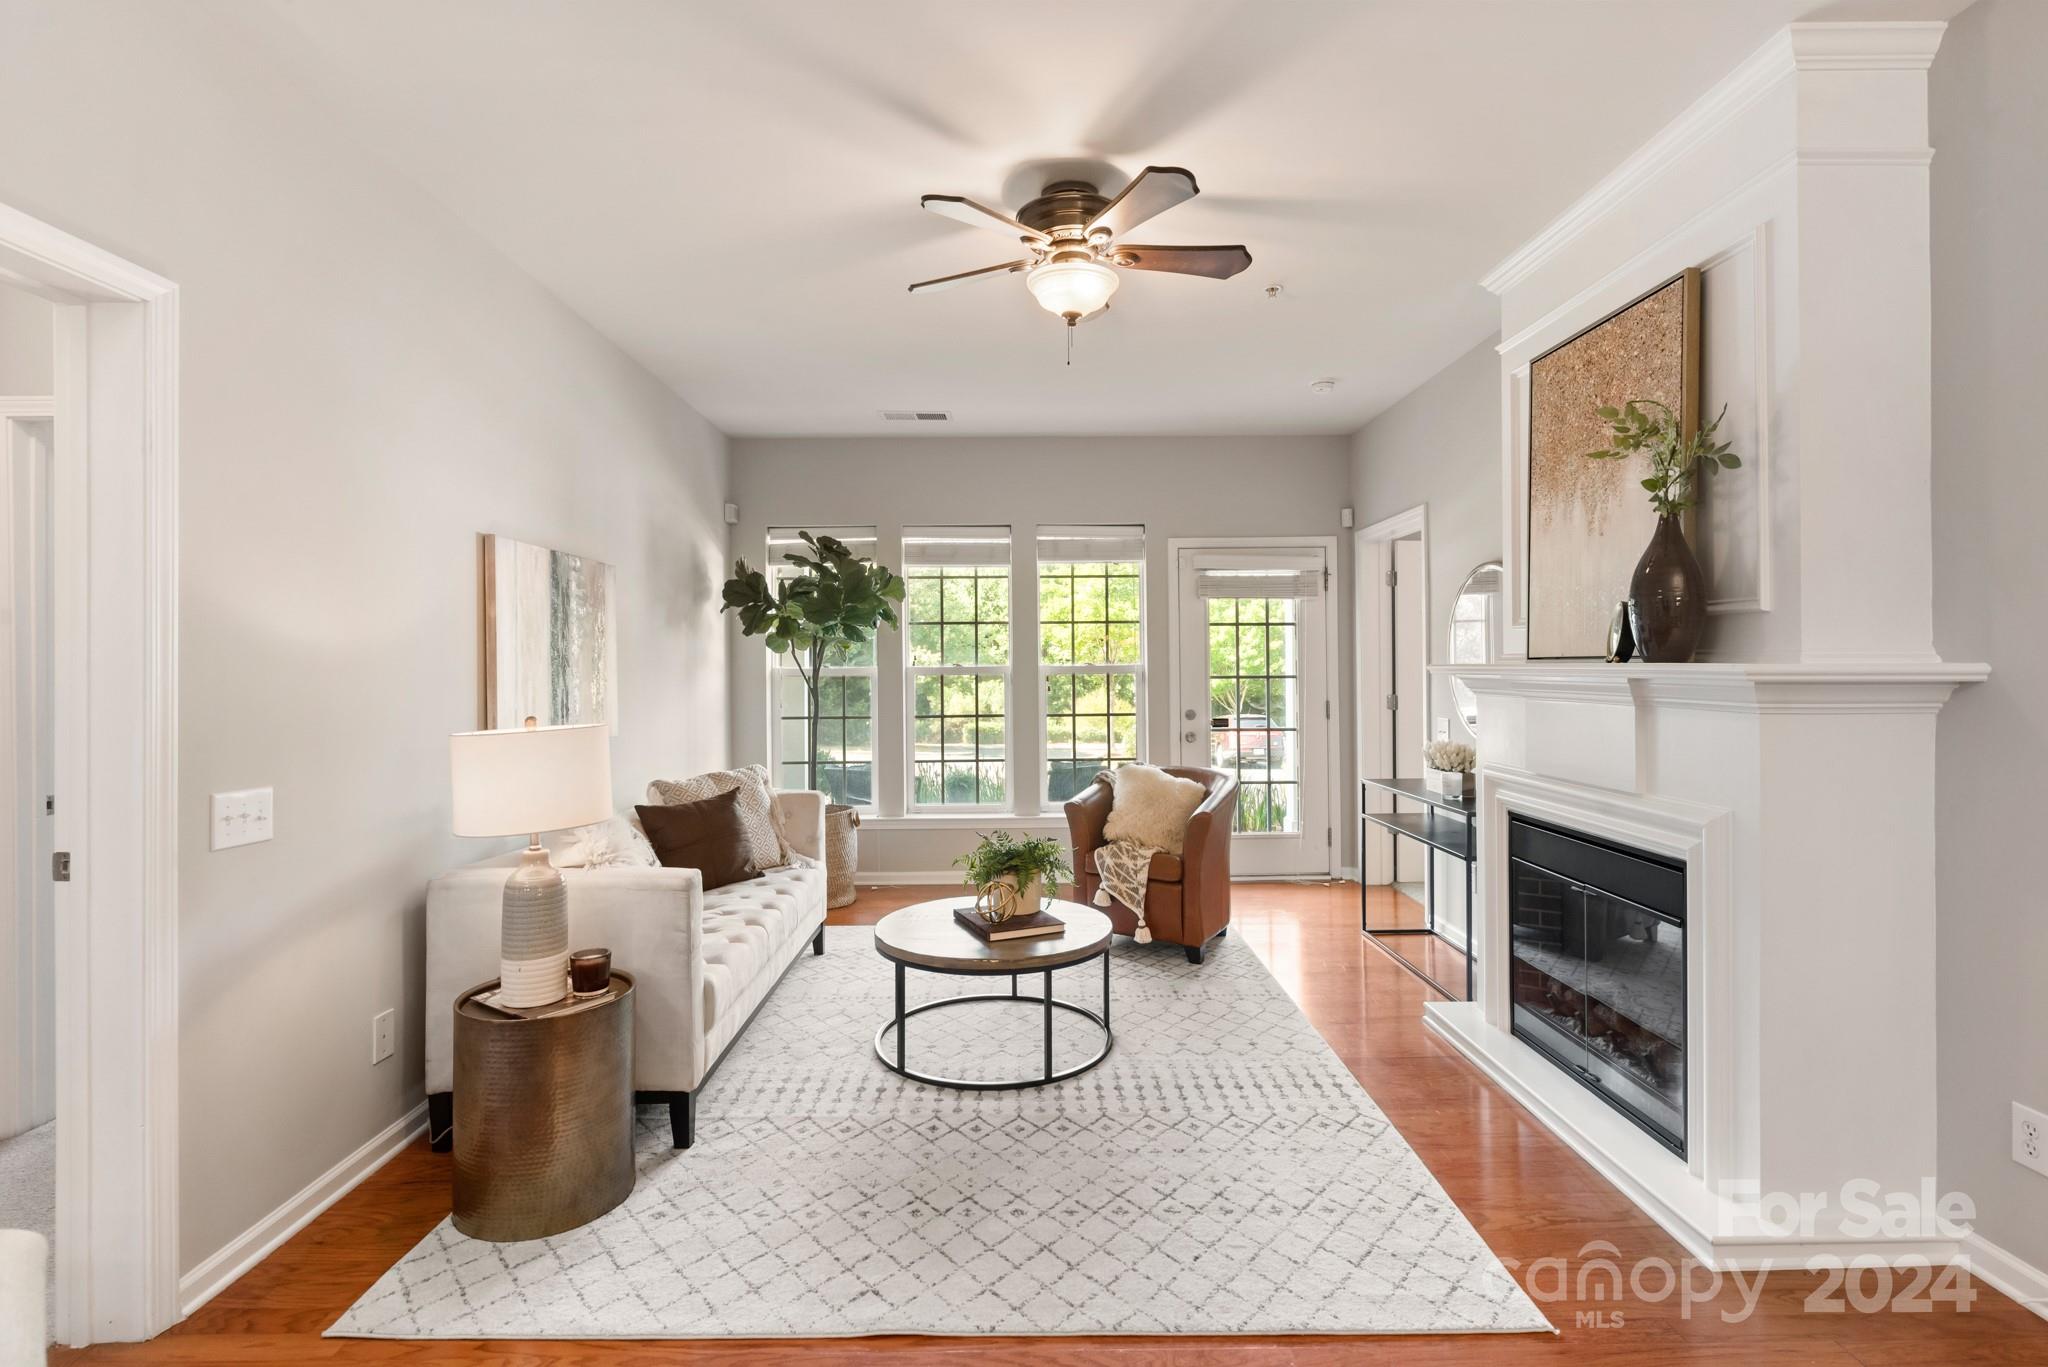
{"points": [[730, 189]]}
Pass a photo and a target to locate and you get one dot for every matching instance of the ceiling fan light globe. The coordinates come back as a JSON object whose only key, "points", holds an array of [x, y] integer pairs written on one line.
{"points": [[1071, 288]]}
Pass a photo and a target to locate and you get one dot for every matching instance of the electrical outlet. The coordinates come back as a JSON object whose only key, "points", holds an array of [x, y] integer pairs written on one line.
{"points": [[241, 817], [1443, 728], [383, 1029], [2030, 1138]]}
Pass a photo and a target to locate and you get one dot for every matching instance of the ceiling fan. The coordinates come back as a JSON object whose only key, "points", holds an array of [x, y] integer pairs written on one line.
{"points": [[1072, 236]]}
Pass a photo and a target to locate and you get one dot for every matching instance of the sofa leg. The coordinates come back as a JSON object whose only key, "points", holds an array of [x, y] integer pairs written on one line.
{"points": [[440, 1121], [1223, 932], [682, 1120], [818, 941], [1194, 953]]}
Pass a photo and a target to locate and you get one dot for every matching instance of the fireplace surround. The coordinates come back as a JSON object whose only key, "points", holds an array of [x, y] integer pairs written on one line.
{"points": [[1596, 981]]}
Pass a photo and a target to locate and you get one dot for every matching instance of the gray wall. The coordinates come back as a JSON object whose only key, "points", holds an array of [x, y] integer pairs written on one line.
{"points": [[1175, 486], [1439, 447], [1989, 115], [365, 388], [25, 351]]}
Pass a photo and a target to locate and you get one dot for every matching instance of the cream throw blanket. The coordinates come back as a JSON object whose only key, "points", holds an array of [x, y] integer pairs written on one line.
{"points": [[1148, 815], [1123, 865]]}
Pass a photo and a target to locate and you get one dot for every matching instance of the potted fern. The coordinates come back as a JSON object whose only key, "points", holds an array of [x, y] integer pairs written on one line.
{"points": [[1010, 875], [833, 600]]}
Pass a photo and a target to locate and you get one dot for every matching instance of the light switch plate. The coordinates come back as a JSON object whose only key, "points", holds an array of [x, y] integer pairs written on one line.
{"points": [[241, 817], [383, 1029]]}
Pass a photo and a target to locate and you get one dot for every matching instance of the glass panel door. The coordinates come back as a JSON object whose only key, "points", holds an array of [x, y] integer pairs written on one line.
{"points": [[1254, 699]]}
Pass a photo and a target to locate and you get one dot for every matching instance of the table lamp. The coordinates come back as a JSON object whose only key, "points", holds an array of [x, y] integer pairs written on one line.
{"points": [[541, 778]]}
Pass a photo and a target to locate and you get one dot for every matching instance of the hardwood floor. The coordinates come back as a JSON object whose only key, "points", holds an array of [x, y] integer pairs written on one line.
{"points": [[1530, 1197]]}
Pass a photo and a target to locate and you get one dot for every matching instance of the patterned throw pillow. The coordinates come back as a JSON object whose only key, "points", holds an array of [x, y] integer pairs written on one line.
{"points": [[766, 848]]}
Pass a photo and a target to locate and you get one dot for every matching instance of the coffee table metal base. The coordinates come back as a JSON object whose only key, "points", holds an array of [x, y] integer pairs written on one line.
{"points": [[895, 1061]]}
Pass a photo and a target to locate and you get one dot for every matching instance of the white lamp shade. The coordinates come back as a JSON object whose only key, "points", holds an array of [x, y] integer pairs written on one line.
{"points": [[1076, 288], [549, 778]]}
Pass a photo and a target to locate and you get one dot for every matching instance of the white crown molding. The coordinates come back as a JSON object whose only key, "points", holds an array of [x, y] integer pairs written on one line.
{"points": [[1896, 45], [28, 406], [1903, 46]]}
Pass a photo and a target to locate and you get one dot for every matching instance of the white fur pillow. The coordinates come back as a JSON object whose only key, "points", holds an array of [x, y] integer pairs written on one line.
{"points": [[1151, 806], [616, 842]]}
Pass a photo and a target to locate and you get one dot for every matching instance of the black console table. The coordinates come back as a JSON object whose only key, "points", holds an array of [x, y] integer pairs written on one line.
{"points": [[1449, 825]]}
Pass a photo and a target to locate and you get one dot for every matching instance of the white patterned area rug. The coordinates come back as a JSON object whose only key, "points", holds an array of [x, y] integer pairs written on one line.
{"points": [[1220, 1173]]}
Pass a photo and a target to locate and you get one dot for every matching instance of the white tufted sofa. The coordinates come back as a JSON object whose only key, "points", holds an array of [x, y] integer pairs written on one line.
{"points": [[701, 962]]}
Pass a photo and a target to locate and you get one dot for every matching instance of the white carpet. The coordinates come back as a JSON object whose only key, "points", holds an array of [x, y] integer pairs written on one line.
{"points": [[28, 1192], [1220, 1173]]}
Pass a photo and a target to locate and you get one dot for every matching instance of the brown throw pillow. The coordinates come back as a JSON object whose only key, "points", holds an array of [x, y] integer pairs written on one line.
{"points": [[708, 836]]}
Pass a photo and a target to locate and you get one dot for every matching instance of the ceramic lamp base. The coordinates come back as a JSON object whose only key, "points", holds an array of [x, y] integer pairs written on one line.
{"points": [[533, 940]]}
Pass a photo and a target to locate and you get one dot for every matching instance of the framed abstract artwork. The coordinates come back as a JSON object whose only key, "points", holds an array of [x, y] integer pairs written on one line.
{"points": [[1589, 520], [550, 637]]}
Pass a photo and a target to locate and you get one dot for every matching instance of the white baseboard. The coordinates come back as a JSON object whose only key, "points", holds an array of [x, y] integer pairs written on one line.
{"points": [[1347, 872], [261, 1239], [2002, 1271]]}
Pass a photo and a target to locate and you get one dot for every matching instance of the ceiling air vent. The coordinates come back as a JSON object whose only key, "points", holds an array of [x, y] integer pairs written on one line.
{"points": [[913, 415]]}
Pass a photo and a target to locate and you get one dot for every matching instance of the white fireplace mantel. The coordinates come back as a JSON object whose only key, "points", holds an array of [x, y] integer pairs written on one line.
{"points": [[1799, 798]]}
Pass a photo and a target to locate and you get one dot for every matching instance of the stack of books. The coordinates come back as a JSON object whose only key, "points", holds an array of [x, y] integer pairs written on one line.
{"points": [[1016, 928]]}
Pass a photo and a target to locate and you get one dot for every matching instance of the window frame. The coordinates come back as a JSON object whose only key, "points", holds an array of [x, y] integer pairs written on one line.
{"points": [[913, 672], [781, 667], [1045, 672]]}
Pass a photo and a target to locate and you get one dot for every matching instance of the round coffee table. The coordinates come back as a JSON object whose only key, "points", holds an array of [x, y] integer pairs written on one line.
{"points": [[927, 938]]}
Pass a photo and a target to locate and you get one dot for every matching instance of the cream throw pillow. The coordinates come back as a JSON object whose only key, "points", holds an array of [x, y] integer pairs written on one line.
{"points": [[1151, 807], [766, 846]]}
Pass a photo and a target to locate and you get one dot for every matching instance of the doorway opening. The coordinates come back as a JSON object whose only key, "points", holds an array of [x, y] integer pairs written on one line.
{"points": [[110, 868], [28, 961]]}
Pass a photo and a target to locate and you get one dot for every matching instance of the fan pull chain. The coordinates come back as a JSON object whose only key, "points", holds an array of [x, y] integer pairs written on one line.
{"points": [[1070, 338]]}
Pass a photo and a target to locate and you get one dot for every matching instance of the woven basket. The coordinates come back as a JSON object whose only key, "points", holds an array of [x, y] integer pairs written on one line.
{"points": [[842, 853]]}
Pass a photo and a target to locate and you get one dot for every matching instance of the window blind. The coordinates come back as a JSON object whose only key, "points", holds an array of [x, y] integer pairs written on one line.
{"points": [[1090, 545], [956, 546], [1303, 584]]}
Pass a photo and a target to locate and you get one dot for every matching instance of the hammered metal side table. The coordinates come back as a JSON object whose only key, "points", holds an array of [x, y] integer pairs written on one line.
{"points": [[543, 1113]]}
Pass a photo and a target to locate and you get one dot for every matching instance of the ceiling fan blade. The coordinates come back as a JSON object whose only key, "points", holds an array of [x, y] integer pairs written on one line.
{"points": [[1218, 263], [979, 216], [1151, 192], [946, 282]]}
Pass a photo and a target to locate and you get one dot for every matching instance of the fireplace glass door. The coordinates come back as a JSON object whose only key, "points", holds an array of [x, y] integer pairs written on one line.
{"points": [[1599, 969]]}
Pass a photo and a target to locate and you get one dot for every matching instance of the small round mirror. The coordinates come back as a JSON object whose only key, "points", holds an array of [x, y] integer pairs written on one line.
{"points": [[1476, 621]]}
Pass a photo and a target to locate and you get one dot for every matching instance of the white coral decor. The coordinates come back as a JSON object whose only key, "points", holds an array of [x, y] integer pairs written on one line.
{"points": [[1449, 767]]}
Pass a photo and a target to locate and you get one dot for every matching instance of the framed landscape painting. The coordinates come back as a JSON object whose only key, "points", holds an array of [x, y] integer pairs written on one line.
{"points": [[550, 639], [1589, 520]]}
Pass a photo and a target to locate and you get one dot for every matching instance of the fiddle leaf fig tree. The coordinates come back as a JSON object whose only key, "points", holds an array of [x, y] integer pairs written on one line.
{"points": [[833, 599]]}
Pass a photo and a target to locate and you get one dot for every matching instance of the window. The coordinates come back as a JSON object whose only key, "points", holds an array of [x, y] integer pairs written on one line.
{"points": [[1090, 652], [845, 730], [956, 632], [1255, 691]]}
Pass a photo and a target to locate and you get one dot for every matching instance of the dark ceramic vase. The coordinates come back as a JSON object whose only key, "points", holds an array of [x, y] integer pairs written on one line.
{"points": [[1669, 597]]}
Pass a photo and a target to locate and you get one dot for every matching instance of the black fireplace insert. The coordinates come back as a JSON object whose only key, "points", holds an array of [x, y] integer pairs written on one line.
{"points": [[1598, 981]]}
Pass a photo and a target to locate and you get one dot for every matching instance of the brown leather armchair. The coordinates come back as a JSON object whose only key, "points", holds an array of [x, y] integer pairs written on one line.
{"points": [[1187, 900]]}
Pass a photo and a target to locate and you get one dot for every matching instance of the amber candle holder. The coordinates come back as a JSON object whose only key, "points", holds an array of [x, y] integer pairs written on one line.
{"points": [[590, 972]]}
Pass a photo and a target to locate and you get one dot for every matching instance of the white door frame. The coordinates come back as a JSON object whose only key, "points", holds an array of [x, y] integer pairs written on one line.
{"points": [[1174, 546], [1372, 671], [115, 521]]}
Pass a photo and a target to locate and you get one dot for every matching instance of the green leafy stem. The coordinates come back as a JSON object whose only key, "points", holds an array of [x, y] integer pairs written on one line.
{"points": [[1675, 459]]}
